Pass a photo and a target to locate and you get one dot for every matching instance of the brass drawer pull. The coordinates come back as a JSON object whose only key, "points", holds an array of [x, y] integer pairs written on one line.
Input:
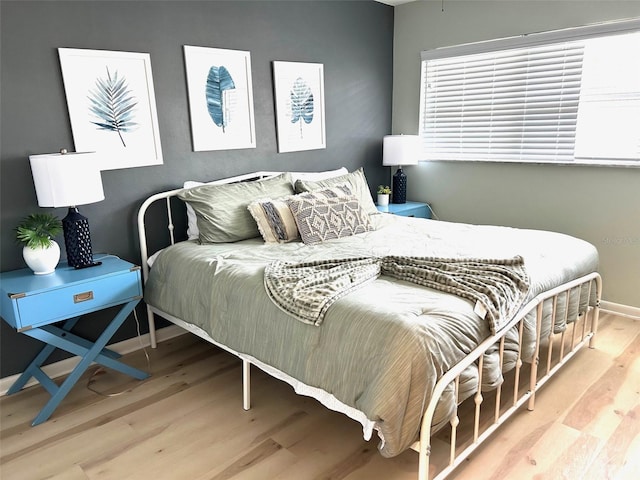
{"points": [[83, 297]]}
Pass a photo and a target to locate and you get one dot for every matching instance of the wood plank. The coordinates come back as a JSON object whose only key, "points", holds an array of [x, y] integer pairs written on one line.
{"points": [[617, 451], [608, 392], [186, 421], [64, 453]]}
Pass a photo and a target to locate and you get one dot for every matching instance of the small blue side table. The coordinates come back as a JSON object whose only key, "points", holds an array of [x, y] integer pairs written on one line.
{"points": [[408, 209], [32, 304]]}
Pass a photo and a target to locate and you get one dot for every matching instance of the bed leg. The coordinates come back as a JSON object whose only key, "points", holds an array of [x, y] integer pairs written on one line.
{"points": [[423, 460], [531, 405], [594, 326], [533, 380], [246, 384], [152, 328], [595, 313]]}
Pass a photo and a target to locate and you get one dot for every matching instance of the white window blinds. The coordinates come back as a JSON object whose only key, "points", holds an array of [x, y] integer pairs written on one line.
{"points": [[532, 100]]}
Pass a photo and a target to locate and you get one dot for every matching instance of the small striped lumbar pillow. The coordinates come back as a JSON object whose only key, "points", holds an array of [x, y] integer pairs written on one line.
{"points": [[275, 220]]}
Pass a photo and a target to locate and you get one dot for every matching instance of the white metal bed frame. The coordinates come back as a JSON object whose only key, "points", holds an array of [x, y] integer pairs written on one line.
{"points": [[581, 333]]}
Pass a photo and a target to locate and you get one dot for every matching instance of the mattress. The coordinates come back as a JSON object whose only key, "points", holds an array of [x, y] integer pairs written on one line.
{"points": [[381, 348]]}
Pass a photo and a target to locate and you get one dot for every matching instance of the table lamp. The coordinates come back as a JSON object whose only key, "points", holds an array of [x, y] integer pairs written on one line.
{"points": [[398, 150], [68, 180]]}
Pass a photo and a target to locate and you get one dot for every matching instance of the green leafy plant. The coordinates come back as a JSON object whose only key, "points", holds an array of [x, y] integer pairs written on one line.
{"points": [[36, 230], [384, 189]]}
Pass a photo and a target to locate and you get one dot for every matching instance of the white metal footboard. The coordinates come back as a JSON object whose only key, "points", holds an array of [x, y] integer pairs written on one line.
{"points": [[505, 404], [466, 431]]}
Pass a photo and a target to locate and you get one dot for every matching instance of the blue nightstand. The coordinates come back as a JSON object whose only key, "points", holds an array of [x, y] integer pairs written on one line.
{"points": [[409, 209], [32, 304]]}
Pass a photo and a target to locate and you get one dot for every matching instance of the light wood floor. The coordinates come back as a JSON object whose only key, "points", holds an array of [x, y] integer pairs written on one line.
{"points": [[186, 422]]}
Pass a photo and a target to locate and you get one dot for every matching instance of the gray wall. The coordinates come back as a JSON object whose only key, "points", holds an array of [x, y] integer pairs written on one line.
{"points": [[353, 39], [599, 204]]}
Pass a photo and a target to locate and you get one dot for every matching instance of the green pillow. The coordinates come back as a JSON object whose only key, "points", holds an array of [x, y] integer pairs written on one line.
{"points": [[221, 210], [356, 182]]}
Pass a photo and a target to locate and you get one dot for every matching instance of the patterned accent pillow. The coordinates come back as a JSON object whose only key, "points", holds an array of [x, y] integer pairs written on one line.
{"points": [[275, 220], [320, 217]]}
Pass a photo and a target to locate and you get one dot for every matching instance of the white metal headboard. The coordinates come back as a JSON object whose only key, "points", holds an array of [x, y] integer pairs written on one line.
{"points": [[166, 196]]}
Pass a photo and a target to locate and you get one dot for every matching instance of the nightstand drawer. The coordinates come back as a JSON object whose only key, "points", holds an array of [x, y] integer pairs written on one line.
{"points": [[408, 209], [29, 301], [74, 300], [420, 211]]}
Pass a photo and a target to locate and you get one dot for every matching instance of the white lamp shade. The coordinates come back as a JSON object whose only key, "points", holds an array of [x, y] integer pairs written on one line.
{"points": [[400, 150], [66, 180]]}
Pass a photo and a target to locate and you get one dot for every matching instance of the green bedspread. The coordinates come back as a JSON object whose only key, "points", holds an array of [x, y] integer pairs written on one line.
{"points": [[382, 347]]}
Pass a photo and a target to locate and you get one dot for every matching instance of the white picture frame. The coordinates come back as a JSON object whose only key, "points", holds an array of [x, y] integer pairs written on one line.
{"points": [[299, 98], [220, 94], [112, 106]]}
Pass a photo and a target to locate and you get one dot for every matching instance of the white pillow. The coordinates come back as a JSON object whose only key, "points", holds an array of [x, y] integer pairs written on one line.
{"points": [[152, 258], [192, 223], [317, 176]]}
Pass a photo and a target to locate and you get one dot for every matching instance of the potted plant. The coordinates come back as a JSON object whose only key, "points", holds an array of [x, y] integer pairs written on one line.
{"points": [[40, 252], [383, 194]]}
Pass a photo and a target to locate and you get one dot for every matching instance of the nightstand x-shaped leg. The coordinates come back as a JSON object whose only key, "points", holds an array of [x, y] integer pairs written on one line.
{"points": [[56, 337]]}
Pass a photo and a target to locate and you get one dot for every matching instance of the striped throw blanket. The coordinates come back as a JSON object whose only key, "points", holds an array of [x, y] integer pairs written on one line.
{"points": [[307, 290]]}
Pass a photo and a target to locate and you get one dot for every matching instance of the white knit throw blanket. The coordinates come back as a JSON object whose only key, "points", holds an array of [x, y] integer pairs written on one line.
{"points": [[306, 290]]}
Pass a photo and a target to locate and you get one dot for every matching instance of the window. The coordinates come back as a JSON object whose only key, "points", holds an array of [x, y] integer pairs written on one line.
{"points": [[570, 96]]}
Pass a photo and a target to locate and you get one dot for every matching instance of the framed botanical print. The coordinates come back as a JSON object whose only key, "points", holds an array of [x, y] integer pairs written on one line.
{"points": [[220, 98], [299, 96], [112, 106]]}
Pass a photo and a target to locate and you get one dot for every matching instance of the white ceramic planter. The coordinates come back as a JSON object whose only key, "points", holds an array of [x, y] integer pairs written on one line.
{"points": [[42, 260], [383, 199]]}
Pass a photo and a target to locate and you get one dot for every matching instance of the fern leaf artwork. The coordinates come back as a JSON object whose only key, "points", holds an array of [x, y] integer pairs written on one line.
{"points": [[219, 82], [301, 103], [112, 103]]}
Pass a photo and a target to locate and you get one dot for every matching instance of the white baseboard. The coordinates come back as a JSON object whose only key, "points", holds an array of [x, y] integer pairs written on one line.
{"points": [[620, 309], [63, 367]]}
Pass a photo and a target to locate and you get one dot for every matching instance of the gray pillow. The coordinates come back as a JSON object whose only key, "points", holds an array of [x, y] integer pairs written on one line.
{"points": [[221, 210], [320, 217], [356, 182]]}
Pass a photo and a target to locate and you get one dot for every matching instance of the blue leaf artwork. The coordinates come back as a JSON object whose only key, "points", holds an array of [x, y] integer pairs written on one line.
{"points": [[112, 103], [218, 81], [301, 103]]}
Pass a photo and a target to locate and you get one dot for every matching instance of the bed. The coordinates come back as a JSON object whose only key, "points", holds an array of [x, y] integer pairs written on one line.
{"points": [[401, 352]]}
